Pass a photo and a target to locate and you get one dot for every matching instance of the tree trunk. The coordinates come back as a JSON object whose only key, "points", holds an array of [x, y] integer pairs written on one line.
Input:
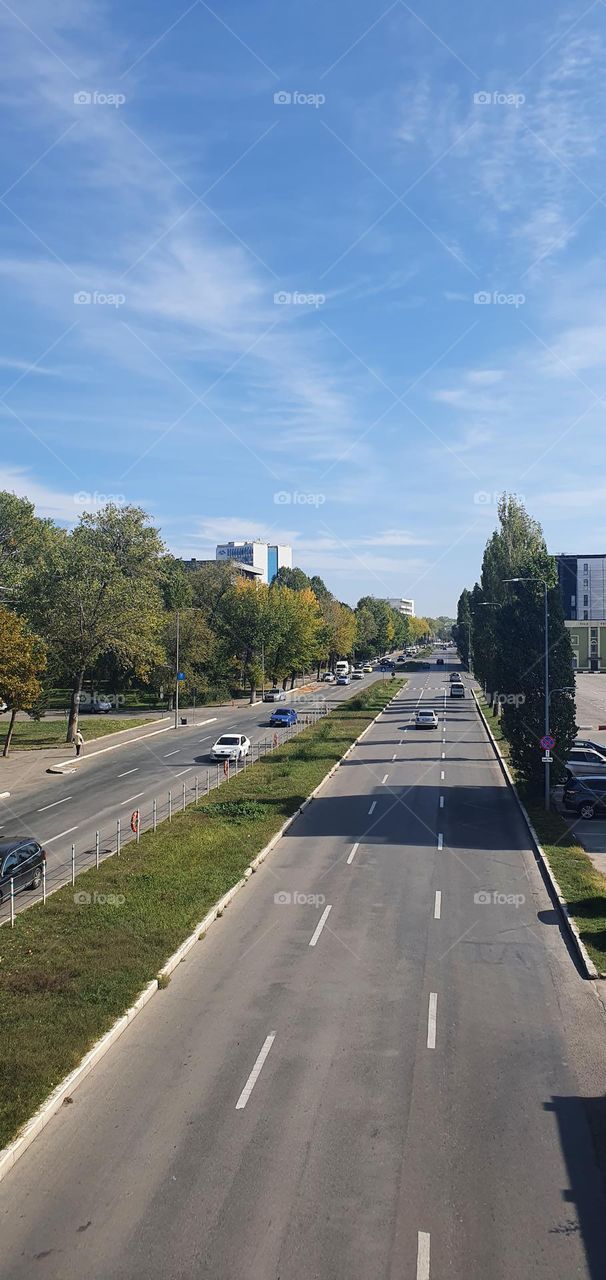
{"points": [[253, 692], [74, 707], [9, 733], [292, 679]]}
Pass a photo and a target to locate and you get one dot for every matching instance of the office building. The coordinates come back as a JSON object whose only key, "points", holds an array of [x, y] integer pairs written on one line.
{"points": [[582, 582], [403, 606], [261, 556]]}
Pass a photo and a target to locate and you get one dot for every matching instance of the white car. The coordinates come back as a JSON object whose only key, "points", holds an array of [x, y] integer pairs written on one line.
{"points": [[274, 695], [329, 677], [3, 706], [230, 746], [99, 707], [357, 673], [426, 720]]}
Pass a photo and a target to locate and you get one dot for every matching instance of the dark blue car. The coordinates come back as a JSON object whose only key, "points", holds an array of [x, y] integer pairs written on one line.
{"points": [[283, 716]]}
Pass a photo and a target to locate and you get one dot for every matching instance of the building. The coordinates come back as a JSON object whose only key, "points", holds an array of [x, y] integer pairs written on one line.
{"points": [[245, 570], [260, 556], [582, 582], [403, 606]]}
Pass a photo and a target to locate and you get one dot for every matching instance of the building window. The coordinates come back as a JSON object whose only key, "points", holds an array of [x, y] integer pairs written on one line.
{"points": [[585, 568], [585, 600], [574, 640], [594, 633], [585, 582], [585, 616]]}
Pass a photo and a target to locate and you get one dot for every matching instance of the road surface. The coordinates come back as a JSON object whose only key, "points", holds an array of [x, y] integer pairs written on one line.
{"points": [[381, 1064]]}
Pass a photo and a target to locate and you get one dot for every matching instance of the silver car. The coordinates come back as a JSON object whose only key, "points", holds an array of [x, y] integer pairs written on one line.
{"points": [[584, 762]]}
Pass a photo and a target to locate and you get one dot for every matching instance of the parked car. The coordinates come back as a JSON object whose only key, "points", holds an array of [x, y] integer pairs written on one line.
{"points": [[584, 762], [586, 796], [22, 859], [457, 690], [3, 706], [343, 679], [439, 662], [230, 746], [426, 719], [456, 677], [99, 707], [586, 744], [283, 716], [329, 677], [357, 673], [274, 695]]}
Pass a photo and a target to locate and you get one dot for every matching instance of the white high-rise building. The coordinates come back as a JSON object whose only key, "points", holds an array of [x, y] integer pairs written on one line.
{"points": [[403, 606], [262, 556]]}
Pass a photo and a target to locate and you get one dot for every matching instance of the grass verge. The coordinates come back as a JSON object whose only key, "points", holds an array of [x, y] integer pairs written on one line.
{"points": [[32, 735], [582, 886], [69, 969]]}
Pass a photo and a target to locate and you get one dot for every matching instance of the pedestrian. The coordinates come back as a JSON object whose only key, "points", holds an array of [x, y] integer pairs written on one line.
{"points": [[78, 742]]}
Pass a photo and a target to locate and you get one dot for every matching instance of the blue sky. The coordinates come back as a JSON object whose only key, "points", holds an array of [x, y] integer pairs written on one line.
{"points": [[278, 218]]}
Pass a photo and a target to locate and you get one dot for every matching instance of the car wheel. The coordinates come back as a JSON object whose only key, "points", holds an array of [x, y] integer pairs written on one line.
{"points": [[586, 811], [37, 880]]}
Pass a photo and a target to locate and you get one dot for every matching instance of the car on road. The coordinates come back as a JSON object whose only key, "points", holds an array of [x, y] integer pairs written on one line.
{"points": [[274, 695], [343, 679], [439, 662], [230, 746], [457, 690], [586, 796], [282, 716], [584, 762], [367, 669], [21, 859], [456, 677], [357, 673], [99, 707], [426, 719], [329, 677]]}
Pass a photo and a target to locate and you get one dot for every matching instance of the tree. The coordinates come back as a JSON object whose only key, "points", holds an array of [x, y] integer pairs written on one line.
{"points": [[98, 594], [296, 579], [24, 540], [22, 663], [462, 628]]}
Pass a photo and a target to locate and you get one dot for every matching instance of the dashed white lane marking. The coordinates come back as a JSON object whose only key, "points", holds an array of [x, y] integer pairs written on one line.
{"points": [[437, 906], [54, 804], [373, 806], [423, 1243], [441, 775], [354, 850], [441, 802], [443, 755], [61, 833], [171, 753], [440, 841], [432, 1017], [125, 775], [208, 735], [255, 1073], [131, 798], [384, 779], [180, 774], [393, 756], [210, 721], [320, 925]]}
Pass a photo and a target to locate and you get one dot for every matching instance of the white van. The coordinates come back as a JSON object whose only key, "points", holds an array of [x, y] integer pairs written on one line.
{"points": [[341, 668]]}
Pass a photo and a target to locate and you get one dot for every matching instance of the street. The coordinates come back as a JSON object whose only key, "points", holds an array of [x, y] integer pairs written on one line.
{"points": [[381, 1063]]}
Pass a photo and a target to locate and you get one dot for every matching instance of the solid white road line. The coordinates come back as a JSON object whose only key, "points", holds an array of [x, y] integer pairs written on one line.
{"points": [[432, 1020], [440, 841], [384, 780], [354, 850], [125, 775], [255, 1073], [61, 833], [373, 806], [131, 798], [441, 802], [54, 804], [319, 927], [423, 1242], [437, 906], [171, 753]]}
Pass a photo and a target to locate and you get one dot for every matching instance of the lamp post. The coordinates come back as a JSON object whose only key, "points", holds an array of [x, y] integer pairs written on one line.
{"points": [[177, 677], [547, 758]]}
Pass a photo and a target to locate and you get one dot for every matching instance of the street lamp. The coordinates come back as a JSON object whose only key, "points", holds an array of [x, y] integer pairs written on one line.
{"points": [[547, 758]]}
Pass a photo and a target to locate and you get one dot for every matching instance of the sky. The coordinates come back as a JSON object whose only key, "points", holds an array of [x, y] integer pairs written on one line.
{"points": [[332, 275]]}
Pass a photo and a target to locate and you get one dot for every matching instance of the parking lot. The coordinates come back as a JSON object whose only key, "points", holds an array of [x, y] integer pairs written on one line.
{"points": [[591, 713]]}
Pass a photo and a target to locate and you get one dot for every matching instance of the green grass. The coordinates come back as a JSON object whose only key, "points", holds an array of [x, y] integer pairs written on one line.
{"points": [[582, 885], [31, 735], [68, 970]]}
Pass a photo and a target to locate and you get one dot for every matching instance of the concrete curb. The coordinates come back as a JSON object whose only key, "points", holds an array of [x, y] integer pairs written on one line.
{"points": [[586, 961], [9, 1155]]}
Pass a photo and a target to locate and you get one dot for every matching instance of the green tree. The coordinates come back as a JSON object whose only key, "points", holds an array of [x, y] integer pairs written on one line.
{"points": [[22, 663], [24, 542]]}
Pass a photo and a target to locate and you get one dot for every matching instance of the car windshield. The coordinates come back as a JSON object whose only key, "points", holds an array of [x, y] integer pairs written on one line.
{"points": [[228, 740]]}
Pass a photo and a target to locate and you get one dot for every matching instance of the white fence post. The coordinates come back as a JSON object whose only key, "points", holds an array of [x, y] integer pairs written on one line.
{"points": [[12, 902], [197, 792], [154, 815], [183, 805], [44, 881], [170, 806], [73, 864], [118, 837], [97, 850]]}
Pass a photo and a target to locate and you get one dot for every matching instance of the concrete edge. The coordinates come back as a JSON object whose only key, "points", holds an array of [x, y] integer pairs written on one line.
{"points": [[10, 1154], [586, 961]]}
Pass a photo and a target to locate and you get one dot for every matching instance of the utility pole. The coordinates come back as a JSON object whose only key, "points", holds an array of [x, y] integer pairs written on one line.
{"points": [[177, 677]]}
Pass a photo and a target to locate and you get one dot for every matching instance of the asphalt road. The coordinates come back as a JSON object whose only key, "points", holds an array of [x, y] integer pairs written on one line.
{"points": [[371, 1069], [110, 780]]}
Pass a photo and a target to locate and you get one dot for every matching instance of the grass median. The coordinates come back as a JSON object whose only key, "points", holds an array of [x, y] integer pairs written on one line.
{"points": [[70, 968], [582, 886]]}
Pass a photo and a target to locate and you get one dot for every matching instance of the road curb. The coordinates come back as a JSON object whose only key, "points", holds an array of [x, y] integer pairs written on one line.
{"points": [[584, 957], [10, 1154]]}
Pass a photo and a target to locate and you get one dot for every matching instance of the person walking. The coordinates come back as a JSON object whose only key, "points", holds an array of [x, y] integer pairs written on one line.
{"points": [[78, 742]]}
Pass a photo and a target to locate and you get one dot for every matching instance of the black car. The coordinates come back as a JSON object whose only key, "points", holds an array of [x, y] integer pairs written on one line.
{"points": [[587, 796], [22, 860]]}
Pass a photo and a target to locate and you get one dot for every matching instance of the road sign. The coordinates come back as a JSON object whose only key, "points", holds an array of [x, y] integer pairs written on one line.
{"points": [[547, 742], [180, 675], [547, 759]]}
